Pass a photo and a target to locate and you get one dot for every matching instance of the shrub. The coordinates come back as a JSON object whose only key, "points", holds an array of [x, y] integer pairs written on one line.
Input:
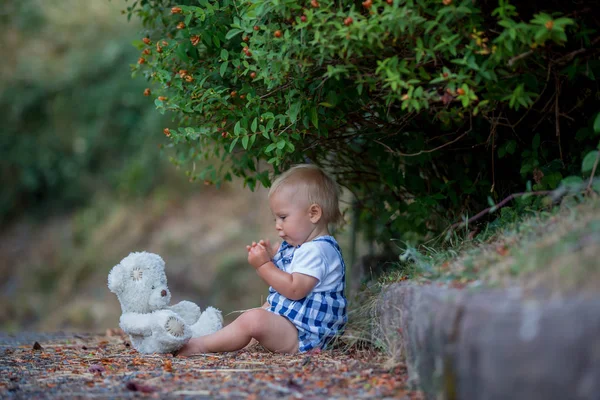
{"points": [[73, 120], [421, 109]]}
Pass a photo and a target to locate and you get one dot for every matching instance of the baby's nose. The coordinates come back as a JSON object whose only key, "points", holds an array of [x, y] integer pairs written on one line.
{"points": [[163, 293]]}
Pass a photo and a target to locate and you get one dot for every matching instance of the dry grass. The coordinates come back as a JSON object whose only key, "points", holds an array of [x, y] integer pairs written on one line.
{"points": [[554, 253]]}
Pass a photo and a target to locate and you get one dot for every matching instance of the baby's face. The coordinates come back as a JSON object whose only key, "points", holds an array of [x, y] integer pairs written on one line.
{"points": [[290, 209]]}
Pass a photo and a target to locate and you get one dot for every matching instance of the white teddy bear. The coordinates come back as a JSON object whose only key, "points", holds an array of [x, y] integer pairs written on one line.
{"points": [[140, 283]]}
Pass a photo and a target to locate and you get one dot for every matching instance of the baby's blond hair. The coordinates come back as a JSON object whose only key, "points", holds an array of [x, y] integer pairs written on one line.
{"points": [[318, 186]]}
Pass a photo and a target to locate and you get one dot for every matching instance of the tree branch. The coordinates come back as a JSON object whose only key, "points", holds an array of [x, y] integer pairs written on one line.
{"points": [[398, 153], [519, 57], [498, 206], [589, 187]]}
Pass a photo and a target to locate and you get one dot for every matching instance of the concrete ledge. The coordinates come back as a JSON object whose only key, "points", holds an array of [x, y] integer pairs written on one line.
{"points": [[492, 344]]}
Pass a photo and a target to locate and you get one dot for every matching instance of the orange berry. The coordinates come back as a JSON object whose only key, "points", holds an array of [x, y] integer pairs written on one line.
{"points": [[182, 73], [256, 28], [460, 91], [252, 75], [146, 52], [447, 2], [188, 78], [224, 134], [245, 49], [180, 25], [367, 4], [277, 34], [195, 40], [158, 48], [146, 40], [390, 2], [147, 92], [162, 98], [233, 94], [167, 132], [549, 25], [249, 53], [314, 3], [348, 21], [245, 38], [141, 60], [242, 96], [445, 74], [176, 10], [303, 18], [405, 97]]}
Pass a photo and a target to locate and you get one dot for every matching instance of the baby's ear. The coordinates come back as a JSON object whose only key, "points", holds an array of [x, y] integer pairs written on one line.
{"points": [[315, 212], [115, 279]]}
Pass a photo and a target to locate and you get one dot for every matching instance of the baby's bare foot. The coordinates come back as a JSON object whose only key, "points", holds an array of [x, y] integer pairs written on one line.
{"points": [[194, 346]]}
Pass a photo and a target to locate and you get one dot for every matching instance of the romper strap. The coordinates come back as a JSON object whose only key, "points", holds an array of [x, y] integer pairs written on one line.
{"points": [[330, 241]]}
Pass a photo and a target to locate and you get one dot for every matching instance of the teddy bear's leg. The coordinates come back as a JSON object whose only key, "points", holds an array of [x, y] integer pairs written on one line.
{"points": [[187, 310], [171, 332], [175, 327], [210, 321]]}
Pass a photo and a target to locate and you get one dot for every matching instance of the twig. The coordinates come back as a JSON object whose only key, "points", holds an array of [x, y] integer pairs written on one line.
{"points": [[493, 158], [568, 57], [520, 56], [276, 90], [589, 187], [226, 370], [498, 206], [398, 153], [557, 119]]}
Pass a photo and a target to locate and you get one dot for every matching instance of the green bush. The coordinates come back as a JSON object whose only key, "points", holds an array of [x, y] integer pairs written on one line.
{"points": [[422, 109], [73, 120]]}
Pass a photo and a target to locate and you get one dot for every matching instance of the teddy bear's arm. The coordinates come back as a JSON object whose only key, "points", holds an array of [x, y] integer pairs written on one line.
{"points": [[136, 324], [187, 310]]}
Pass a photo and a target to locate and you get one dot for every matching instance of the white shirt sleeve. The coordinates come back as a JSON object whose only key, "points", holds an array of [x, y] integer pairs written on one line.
{"points": [[309, 260]]}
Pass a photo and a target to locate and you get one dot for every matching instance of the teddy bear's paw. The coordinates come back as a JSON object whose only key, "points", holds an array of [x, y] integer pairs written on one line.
{"points": [[175, 327]]}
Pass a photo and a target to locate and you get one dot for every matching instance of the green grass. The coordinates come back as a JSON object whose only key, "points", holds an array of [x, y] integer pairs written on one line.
{"points": [[557, 250]]}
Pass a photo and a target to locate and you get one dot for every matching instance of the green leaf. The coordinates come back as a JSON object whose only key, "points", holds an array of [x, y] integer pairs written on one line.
{"points": [[245, 142], [254, 124], [511, 146], [232, 33], [597, 124], [233, 143], [224, 55], [294, 111], [237, 128], [281, 144], [572, 181], [180, 51], [536, 141], [588, 161], [314, 117], [223, 68]]}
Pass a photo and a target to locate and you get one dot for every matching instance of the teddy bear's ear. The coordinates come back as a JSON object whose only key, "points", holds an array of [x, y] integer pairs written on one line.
{"points": [[115, 279]]}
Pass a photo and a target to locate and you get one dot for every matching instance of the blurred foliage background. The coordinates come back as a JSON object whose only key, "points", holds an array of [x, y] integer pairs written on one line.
{"points": [[86, 180]]}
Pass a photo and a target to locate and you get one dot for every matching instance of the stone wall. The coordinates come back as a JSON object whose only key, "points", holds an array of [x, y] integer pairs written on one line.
{"points": [[492, 344]]}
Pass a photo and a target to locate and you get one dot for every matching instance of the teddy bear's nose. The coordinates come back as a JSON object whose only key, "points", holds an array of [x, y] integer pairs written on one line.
{"points": [[163, 293]]}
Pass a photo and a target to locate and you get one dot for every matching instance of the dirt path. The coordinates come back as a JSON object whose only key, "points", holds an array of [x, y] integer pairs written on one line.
{"points": [[105, 366]]}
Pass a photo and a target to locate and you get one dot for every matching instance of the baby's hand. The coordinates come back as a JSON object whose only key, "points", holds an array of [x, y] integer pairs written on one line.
{"points": [[272, 249], [258, 255]]}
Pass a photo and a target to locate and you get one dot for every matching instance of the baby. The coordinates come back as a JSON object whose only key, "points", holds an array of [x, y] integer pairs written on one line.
{"points": [[306, 306]]}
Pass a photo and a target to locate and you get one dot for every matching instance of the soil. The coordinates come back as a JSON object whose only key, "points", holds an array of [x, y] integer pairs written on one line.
{"points": [[57, 366]]}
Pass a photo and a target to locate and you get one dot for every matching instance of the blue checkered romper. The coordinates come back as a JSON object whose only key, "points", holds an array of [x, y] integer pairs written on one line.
{"points": [[321, 314]]}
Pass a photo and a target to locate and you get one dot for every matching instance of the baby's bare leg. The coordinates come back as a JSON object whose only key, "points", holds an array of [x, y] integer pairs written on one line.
{"points": [[273, 331]]}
